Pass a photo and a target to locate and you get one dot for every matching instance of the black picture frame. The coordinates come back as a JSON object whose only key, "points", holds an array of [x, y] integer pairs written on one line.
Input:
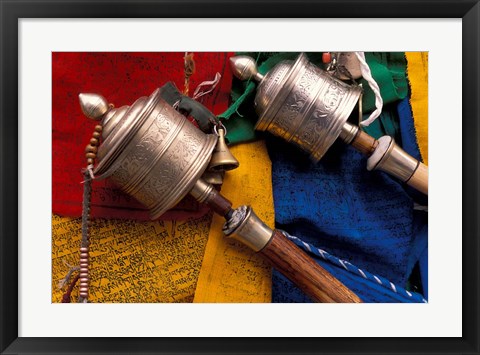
{"points": [[11, 11]]}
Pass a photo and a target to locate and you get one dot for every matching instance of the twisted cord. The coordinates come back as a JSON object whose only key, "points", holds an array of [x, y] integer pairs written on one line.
{"points": [[87, 194], [367, 75], [66, 298], [212, 83], [354, 269], [66, 279], [84, 255]]}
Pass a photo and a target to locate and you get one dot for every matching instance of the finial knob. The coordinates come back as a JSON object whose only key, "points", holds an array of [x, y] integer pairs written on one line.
{"points": [[245, 68], [94, 106]]}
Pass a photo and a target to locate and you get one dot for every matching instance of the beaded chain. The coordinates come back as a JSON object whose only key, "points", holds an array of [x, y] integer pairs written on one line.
{"points": [[90, 155]]}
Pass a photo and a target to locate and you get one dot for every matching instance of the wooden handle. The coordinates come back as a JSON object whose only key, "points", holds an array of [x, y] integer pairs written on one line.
{"points": [[392, 159], [204, 192], [364, 143], [310, 277], [419, 179]]}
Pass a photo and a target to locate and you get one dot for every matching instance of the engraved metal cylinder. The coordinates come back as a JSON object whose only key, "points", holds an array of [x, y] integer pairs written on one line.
{"points": [[152, 152], [303, 104]]}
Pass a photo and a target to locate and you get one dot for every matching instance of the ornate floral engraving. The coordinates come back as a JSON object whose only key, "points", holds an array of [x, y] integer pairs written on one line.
{"points": [[153, 138], [319, 122], [121, 176], [333, 96], [295, 102], [143, 151], [166, 176]]}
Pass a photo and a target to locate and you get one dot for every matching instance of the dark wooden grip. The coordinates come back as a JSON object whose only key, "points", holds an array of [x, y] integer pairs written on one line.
{"points": [[218, 203], [310, 277]]}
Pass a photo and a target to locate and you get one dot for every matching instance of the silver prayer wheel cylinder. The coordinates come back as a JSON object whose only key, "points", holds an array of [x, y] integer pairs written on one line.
{"points": [[300, 102], [150, 151]]}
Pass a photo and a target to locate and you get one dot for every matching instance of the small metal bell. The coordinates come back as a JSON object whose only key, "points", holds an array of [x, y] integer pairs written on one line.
{"points": [[213, 177], [222, 158]]}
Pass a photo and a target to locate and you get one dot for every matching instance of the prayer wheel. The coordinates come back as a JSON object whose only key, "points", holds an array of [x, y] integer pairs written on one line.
{"points": [[157, 156], [305, 105]]}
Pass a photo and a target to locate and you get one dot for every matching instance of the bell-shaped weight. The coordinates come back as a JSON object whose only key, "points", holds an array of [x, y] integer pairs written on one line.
{"points": [[213, 177], [222, 158]]}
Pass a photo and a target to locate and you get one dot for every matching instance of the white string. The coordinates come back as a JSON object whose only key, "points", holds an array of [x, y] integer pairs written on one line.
{"points": [[213, 83], [67, 277], [367, 75], [90, 171]]}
